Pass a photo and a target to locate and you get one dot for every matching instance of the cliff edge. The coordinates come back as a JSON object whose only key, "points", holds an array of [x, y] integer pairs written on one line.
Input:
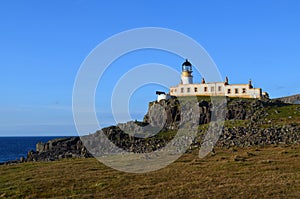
{"points": [[248, 122]]}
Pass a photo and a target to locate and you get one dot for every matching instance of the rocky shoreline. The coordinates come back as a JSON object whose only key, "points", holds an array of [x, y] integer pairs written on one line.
{"points": [[249, 128]]}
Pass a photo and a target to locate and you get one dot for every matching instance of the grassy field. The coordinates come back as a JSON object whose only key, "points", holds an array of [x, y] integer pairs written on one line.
{"points": [[257, 172]]}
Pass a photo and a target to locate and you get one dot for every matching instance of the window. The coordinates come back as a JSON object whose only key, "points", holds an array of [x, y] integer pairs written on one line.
{"points": [[219, 88], [244, 90], [196, 89], [182, 90], [205, 89], [188, 90], [212, 89], [236, 91], [228, 91]]}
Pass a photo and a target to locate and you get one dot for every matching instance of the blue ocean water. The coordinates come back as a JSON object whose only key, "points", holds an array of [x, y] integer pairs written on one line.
{"points": [[12, 148]]}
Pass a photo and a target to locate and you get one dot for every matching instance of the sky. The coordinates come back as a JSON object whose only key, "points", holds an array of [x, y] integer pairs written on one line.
{"points": [[44, 43]]}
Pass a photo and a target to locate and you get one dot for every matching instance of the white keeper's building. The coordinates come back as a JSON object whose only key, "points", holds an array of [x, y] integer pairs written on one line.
{"points": [[186, 87]]}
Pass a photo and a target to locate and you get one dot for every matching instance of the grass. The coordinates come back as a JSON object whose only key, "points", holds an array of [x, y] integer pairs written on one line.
{"points": [[235, 123], [289, 114], [165, 135], [277, 116], [256, 172]]}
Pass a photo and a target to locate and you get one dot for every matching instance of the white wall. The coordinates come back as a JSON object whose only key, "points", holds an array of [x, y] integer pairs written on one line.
{"points": [[209, 89], [186, 80], [163, 97]]}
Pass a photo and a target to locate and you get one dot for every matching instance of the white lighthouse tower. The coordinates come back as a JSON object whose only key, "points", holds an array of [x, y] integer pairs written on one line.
{"points": [[186, 74]]}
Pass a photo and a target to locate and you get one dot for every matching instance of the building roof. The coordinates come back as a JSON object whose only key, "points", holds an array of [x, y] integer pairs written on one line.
{"points": [[186, 63]]}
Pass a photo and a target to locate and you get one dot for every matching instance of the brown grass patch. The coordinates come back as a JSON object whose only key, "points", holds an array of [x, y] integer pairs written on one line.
{"points": [[257, 172]]}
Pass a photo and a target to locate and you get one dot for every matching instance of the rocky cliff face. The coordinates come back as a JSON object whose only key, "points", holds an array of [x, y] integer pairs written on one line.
{"points": [[237, 109], [294, 99], [246, 125], [56, 149]]}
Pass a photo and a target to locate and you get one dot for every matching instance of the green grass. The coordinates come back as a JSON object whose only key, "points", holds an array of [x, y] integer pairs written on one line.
{"points": [[288, 114], [257, 172], [235, 123], [165, 135], [276, 116]]}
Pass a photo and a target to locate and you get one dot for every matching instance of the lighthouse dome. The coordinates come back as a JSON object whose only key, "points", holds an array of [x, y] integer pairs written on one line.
{"points": [[187, 66], [186, 63]]}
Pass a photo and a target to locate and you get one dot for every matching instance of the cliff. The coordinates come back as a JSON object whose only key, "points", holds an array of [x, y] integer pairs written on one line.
{"points": [[293, 99], [249, 122]]}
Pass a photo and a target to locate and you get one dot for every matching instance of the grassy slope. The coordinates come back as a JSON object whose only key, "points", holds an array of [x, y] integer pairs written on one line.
{"points": [[250, 172], [289, 114], [277, 116]]}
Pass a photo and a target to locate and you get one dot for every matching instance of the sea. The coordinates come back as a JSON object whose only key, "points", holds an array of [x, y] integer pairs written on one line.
{"points": [[12, 148]]}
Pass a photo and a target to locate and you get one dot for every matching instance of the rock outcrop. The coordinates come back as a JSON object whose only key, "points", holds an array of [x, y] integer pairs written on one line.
{"points": [[237, 109], [294, 99], [56, 149], [165, 117], [249, 136]]}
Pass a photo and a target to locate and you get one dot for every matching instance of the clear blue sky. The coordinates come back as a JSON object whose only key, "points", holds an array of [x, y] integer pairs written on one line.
{"points": [[43, 44]]}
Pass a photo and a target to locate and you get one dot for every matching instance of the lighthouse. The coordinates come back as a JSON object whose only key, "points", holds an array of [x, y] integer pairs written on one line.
{"points": [[186, 73], [186, 87]]}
